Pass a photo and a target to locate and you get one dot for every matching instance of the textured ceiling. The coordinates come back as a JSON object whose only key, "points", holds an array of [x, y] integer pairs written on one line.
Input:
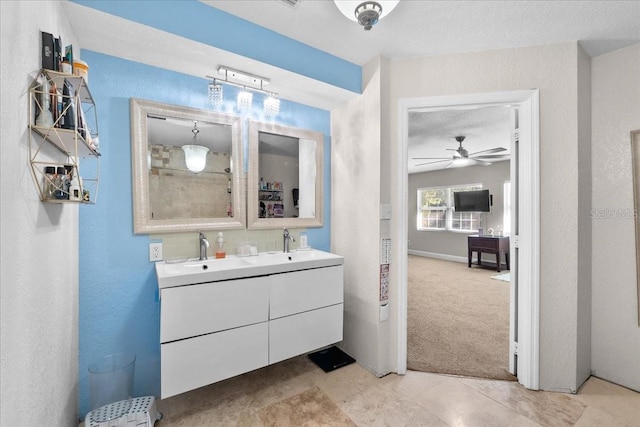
{"points": [[424, 28], [414, 28], [432, 133]]}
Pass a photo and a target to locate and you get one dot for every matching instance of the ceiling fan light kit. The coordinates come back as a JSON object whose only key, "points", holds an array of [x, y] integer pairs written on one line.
{"points": [[366, 13]]}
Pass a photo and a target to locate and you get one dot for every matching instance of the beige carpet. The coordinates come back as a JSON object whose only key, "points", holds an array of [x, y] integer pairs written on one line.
{"points": [[458, 319], [310, 408]]}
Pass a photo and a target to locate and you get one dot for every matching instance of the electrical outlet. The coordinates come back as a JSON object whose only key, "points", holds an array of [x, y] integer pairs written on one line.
{"points": [[155, 251]]}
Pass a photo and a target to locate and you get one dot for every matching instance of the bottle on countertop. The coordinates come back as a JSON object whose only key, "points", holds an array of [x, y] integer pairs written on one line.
{"points": [[220, 252]]}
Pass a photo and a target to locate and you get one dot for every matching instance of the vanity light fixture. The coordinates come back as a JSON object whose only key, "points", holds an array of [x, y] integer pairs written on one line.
{"points": [[195, 155], [249, 83], [366, 13]]}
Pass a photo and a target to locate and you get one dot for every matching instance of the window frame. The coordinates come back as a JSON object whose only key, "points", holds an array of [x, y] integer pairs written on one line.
{"points": [[448, 209]]}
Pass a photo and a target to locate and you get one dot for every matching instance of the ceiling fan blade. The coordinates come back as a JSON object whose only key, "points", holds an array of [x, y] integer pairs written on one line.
{"points": [[492, 156], [490, 151], [430, 163]]}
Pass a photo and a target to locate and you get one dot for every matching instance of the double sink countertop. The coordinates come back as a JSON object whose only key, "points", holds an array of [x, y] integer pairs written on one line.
{"points": [[193, 271]]}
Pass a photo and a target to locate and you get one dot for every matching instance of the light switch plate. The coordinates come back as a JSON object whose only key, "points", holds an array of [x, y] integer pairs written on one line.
{"points": [[155, 251], [385, 211]]}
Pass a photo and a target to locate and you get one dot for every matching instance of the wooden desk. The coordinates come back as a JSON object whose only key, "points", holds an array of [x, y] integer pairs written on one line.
{"points": [[490, 245]]}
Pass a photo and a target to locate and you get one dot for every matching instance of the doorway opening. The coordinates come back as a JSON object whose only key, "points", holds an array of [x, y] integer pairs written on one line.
{"points": [[457, 310], [524, 244]]}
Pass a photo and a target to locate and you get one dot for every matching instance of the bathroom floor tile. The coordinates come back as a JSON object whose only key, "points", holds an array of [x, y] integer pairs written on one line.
{"points": [[619, 402], [269, 395], [381, 406], [459, 405], [545, 408]]}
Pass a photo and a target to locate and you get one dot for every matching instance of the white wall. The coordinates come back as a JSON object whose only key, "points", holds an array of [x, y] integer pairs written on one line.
{"points": [[355, 225], [39, 246], [583, 367], [553, 69], [615, 112]]}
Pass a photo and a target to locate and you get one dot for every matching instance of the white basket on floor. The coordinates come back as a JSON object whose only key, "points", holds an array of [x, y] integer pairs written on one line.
{"points": [[142, 412]]}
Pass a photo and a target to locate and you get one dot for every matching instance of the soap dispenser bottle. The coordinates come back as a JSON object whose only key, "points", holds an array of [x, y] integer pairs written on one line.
{"points": [[220, 252]]}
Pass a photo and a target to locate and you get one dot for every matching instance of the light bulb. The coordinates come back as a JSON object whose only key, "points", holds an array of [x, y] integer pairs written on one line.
{"points": [[215, 93], [271, 106], [245, 101]]}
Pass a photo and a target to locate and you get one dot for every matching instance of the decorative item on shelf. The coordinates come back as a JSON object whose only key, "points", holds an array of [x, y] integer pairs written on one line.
{"points": [[195, 155], [60, 184], [65, 66], [81, 68], [45, 118], [48, 184], [48, 51], [490, 232], [248, 83], [68, 117], [366, 13], [75, 192]]}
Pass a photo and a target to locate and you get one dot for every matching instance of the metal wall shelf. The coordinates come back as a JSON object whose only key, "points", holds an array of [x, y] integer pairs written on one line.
{"points": [[76, 142]]}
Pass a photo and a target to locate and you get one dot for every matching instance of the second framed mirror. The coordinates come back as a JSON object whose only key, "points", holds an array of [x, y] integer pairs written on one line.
{"points": [[285, 177]]}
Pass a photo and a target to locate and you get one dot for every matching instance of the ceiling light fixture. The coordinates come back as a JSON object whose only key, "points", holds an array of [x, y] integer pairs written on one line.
{"points": [[248, 82], [366, 13], [195, 155]]}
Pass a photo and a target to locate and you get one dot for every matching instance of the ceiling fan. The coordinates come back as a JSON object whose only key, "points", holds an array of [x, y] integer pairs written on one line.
{"points": [[461, 157]]}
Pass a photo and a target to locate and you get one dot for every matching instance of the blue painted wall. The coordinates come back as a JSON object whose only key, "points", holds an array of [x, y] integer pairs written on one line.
{"points": [[119, 309], [197, 21]]}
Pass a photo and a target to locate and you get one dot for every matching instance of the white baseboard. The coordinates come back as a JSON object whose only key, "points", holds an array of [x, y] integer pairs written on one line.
{"points": [[438, 256]]}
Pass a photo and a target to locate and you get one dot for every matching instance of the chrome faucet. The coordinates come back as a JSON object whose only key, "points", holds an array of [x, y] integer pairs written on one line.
{"points": [[204, 244], [287, 238]]}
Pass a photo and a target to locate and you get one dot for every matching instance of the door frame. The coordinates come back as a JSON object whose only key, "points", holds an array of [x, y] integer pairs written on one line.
{"points": [[528, 269]]}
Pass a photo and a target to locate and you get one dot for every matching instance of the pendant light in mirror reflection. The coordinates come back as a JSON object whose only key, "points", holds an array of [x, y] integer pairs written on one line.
{"points": [[195, 155], [248, 83]]}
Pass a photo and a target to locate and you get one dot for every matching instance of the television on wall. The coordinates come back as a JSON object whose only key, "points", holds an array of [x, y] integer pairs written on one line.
{"points": [[472, 201]]}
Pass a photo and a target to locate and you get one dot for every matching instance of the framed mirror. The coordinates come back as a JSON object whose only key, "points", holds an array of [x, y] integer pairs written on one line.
{"points": [[284, 187], [187, 169]]}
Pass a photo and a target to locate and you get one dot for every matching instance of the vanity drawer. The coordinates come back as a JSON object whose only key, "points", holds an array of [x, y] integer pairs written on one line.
{"points": [[193, 310], [196, 362], [301, 333], [305, 290]]}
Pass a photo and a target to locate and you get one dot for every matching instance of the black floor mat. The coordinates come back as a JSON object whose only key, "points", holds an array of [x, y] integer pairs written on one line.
{"points": [[331, 358]]}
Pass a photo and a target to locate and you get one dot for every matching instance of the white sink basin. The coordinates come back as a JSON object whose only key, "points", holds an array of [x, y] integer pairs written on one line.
{"points": [[233, 267]]}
